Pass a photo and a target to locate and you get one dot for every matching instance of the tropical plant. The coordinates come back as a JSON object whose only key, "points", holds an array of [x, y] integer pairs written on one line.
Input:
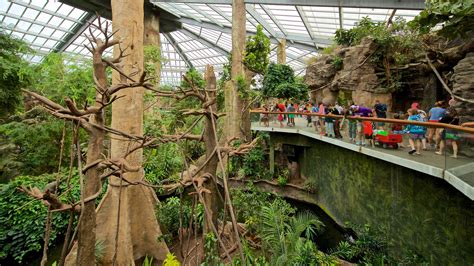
{"points": [[248, 205], [367, 247], [163, 162], [36, 153], [171, 260], [337, 62], [211, 257], [22, 219], [455, 16], [15, 72], [281, 232], [56, 77], [257, 51]]}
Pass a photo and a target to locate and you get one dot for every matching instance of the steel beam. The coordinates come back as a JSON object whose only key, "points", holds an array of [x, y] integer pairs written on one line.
{"points": [[80, 27], [386, 4], [178, 50], [37, 8], [297, 41], [305, 22], [35, 22], [341, 18], [251, 10], [205, 41], [270, 14]]}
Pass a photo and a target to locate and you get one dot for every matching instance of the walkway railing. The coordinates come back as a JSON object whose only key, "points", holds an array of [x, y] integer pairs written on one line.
{"points": [[440, 163]]}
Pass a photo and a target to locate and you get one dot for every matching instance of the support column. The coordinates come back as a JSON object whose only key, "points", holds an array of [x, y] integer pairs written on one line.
{"points": [[272, 158], [152, 37], [238, 119], [126, 220], [281, 52]]}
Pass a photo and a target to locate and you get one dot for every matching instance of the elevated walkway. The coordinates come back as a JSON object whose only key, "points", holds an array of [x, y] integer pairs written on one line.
{"points": [[457, 172]]}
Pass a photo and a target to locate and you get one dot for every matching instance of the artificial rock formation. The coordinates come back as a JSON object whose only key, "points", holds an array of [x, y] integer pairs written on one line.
{"points": [[363, 82], [463, 86]]}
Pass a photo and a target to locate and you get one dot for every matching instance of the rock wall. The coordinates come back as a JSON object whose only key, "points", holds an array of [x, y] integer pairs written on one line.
{"points": [[366, 82], [463, 86]]}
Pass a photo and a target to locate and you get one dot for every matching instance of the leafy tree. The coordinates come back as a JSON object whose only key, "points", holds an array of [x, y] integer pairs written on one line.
{"points": [[257, 51], [275, 75], [58, 78], [280, 82], [14, 72], [455, 16], [34, 153]]}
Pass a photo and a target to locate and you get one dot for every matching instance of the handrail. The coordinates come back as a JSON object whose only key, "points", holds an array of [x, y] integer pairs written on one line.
{"points": [[386, 120]]}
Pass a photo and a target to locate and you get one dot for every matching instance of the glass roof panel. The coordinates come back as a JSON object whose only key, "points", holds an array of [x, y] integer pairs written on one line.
{"points": [[46, 24]]}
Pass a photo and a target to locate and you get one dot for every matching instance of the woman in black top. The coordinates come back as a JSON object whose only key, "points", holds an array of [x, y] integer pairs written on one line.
{"points": [[452, 118]]}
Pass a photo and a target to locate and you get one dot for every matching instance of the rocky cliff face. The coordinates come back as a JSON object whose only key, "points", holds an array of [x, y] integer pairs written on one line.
{"points": [[366, 82], [463, 86]]}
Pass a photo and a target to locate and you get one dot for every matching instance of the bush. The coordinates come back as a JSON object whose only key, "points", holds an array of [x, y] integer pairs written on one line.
{"points": [[22, 218], [162, 163], [169, 213], [36, 153]]}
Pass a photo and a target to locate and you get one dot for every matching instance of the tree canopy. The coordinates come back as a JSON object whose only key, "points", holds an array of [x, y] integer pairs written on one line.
{"points": [[14, 73]]}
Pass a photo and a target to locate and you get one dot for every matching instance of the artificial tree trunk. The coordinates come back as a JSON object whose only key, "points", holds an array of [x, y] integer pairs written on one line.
{"points": [[126, 220], [210, 142], [238, 120], [86, 233], [281, 52]]}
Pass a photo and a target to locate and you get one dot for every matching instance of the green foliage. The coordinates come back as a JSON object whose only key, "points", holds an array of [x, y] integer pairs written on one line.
{"points": [[344, 37], [282, 180], [193, 78], [34, 153], [310, 185], [171, 260], [248, 205], [243, 89], [149, 261], [366, 249], [250, 257], [58, 78], [211, 252], [99, 250], [152, 60], [295, 90], [337, 62], [395, 45], [14, 73], [163, 162], [252, 165], [455, 16], [22, 218], [169, 213], [276, 74], [257, 51], [287, 237]]}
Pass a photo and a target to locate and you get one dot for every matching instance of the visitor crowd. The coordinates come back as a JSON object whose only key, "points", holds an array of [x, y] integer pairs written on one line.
{"points": [[367, 132]]}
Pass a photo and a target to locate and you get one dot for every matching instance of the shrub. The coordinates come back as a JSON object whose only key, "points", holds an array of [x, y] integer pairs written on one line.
{"points": [[22, 218], [163, 163]]}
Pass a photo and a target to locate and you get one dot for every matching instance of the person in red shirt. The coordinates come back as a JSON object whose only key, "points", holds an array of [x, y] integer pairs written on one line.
{"points": [[281, 108]]}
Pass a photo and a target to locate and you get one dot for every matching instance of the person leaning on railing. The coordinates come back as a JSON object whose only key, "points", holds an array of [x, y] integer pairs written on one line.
{"points": [[451, 117]]}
